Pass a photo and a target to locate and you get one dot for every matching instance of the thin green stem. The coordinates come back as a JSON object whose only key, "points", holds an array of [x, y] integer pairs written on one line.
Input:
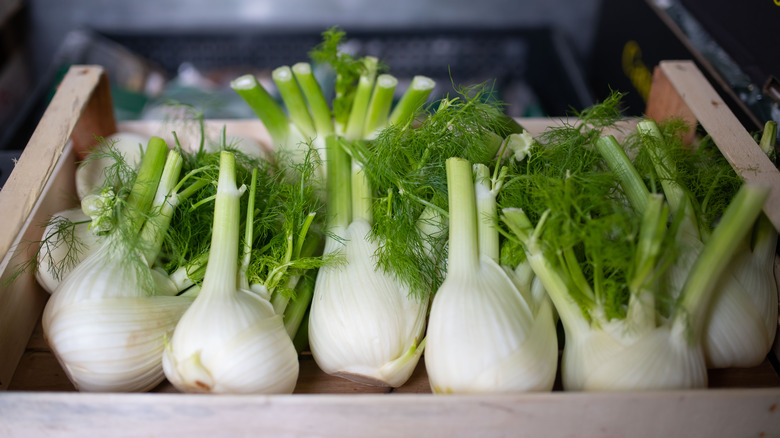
{"points": [[379, 107], [618, 162], [296, 308], [338, 184], [555, 282], [714, 258], [163, 205], [641, 303], [412, 100], [293, 100], [664, 166], [303, 233], [486, 212], [192, 188], [148, 178], [264, 106], [361, 194], [246, 256], [222, 269], [464, 246], [357, 115], [323, 122]]}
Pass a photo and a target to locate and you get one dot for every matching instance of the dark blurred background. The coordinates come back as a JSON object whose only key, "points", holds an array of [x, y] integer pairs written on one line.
{"points": [[544, 58]]}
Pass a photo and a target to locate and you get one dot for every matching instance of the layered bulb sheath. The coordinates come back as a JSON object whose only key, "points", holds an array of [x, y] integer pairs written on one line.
{"points": [[484, 337], [364, 325], [742, 324], [106, 331], [231, 345], [608, 359]]}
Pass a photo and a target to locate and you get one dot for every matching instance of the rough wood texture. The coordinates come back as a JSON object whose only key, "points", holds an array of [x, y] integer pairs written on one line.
{"points": [[689, 414], [22, 300], [679, 88], [36, 164], [82, 99]]}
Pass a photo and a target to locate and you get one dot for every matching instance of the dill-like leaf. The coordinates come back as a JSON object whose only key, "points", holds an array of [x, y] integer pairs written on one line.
{"points": [[406, 169], [588, 227]]}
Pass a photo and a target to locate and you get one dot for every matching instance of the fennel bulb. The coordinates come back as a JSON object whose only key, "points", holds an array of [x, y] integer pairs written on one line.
{"points": [[363, 323], [66, 241], [90, 175], [484, 333], [107, 320], [229, 340], [603, 261], [642, 350], [742, 322]]}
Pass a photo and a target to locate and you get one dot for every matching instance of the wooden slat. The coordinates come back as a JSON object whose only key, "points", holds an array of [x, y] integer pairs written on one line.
{"points": [[43, 168], [35, 165], [681, 89], [689, 414], [22, 300]]}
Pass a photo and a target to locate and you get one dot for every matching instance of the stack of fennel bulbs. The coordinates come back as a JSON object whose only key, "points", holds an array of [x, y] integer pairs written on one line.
{"points": [[107, 320], [367, 330], [390, 211], [602, 262], [698, 185]]}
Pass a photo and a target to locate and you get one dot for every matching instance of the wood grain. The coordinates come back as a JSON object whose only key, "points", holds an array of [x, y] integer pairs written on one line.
{"points": [[689, 414]]}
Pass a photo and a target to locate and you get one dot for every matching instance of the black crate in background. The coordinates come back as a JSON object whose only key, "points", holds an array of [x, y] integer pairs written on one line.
{"points": [[535, 58]]}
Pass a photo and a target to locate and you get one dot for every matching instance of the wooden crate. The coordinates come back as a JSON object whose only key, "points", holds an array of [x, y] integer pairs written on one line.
{"points": [[38, 400]]}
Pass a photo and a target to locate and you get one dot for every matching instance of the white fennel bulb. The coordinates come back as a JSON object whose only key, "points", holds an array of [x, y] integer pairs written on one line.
{"points": [[485, 334], [90, 175], [106, 322], [66, 241], [230, 340], [643, 349], [363, 325], [606, 358], [742, 324], [742, 320]]}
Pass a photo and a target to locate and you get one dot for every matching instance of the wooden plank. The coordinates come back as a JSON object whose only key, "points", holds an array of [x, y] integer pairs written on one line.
{"points": [[97, 117], [43, 168], [665, 102], [22, 300], [36, 164], [688, 414], [688, 88]]}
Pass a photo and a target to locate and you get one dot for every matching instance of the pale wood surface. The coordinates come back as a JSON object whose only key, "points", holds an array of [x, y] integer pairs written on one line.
{"points": [[22, 300], [689, 414], [82, 97], [36, 164]]}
